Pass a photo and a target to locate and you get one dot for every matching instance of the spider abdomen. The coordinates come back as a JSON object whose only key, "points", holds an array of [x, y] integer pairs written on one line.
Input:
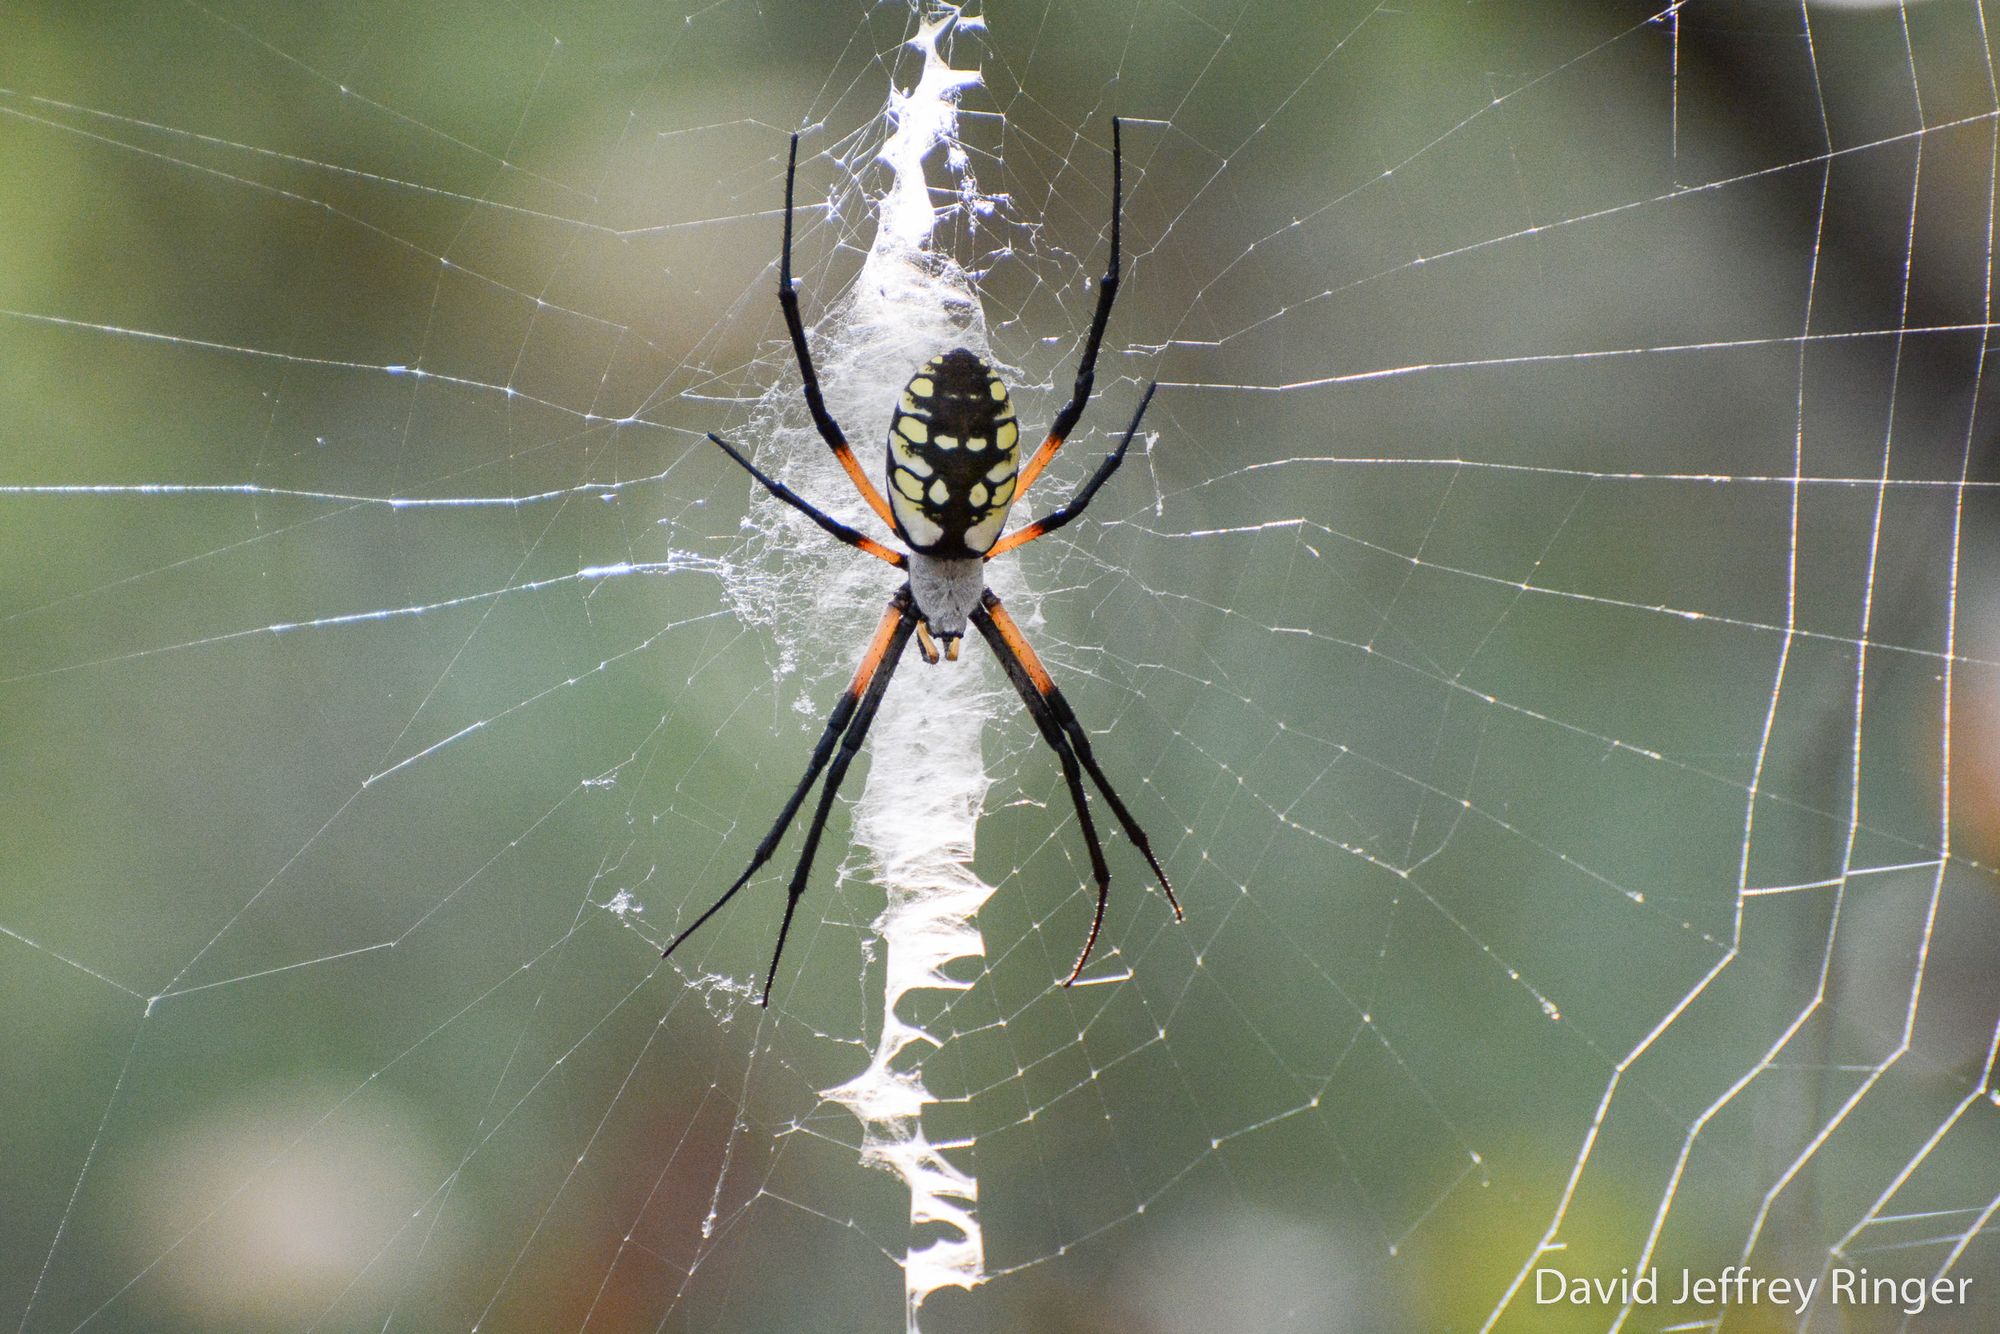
{"points": [[954, 452]]}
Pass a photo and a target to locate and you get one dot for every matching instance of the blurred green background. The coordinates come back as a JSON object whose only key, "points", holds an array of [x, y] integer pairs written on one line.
{"points": [[1553, 637]]}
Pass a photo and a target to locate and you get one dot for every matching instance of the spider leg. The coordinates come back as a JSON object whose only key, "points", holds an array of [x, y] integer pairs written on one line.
{"points": [[858, 540], [1017, 644], [1065, 735], [1048, 523], [850, 744], [1086, 371], [1052, 732], [888, 631], [829, 429]]}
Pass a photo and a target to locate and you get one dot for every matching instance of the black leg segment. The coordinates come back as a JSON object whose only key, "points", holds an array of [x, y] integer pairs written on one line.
{"points": [[1055, 519], [1065, 736], [1107, 293], [859, 541], [846, 725], [788, 300], [850, 745]]}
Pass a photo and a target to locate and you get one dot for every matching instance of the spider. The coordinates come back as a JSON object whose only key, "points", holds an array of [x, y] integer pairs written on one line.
{"points": [[954, 471]]}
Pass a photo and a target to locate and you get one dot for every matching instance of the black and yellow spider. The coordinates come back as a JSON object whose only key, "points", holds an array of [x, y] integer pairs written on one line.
{"points": [[954, 470]]}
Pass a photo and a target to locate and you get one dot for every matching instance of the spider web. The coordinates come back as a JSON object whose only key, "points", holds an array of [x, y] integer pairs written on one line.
{"points": [[1549, 629]]}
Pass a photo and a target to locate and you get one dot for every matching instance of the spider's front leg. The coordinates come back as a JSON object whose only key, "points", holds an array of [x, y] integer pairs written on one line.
{"points": [[847, 726], [1066, 737]]}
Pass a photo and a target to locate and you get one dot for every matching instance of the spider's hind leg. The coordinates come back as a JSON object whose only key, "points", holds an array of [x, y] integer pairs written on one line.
{"points": [[788, 301], [1086, 368]]}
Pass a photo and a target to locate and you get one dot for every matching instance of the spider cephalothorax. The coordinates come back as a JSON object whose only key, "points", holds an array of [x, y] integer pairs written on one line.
{"points": [[954, 470]]}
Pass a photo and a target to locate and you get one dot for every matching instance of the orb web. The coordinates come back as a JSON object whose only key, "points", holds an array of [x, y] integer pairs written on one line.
{"points": [[1547, 627]]}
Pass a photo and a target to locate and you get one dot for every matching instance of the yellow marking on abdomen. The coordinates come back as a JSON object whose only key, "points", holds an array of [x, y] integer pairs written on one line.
{"points": [[922, 529], [979, 537]]}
